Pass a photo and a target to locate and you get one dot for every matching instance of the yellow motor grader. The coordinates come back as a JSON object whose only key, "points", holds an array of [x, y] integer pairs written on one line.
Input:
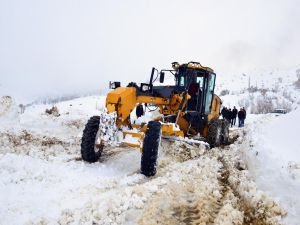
{"points": [[186, 109]]}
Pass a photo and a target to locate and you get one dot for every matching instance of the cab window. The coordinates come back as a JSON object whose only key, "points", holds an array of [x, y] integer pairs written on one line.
{"points": [[210, 92], [181, 81]]}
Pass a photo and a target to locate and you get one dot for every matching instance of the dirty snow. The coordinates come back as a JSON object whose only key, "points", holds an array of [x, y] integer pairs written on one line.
{"points": [[44, 181]]}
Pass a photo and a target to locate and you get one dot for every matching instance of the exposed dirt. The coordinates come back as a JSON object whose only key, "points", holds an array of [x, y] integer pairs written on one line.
{"points": [[76, 124], [53, 111], [38, 145]]}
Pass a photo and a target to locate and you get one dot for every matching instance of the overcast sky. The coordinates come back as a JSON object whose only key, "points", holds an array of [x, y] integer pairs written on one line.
{"points": [[65, 46]]}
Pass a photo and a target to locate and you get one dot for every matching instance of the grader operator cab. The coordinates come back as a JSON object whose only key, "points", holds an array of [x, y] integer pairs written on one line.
{"points": [[188, 108]]}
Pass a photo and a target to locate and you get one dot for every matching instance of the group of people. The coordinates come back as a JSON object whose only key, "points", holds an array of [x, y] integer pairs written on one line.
{"points": [[230, 115]]}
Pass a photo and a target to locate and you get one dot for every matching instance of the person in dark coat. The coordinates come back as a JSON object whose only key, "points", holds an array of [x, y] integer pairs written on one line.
{"points": [[229, 115], [244, 110], [234, 112], [223, 112], [241, 116]]}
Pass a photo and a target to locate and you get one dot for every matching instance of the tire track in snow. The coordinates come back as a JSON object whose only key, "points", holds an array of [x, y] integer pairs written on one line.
{"points": [[232, 198]]}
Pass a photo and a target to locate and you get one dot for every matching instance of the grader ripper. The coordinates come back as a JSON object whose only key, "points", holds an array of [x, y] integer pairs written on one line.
{"points": [[188, 109]]}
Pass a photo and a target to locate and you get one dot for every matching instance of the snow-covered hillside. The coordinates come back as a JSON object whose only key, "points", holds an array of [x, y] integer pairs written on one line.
{"points": [[260, 91], [268, 78]]}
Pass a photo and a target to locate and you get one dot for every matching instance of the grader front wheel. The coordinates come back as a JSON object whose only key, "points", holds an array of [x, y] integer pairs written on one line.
{"points": [[91, 145], [150, 148]]}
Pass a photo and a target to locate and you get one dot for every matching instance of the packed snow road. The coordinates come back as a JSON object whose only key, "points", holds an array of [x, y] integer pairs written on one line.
{"points": [[44, 181]]}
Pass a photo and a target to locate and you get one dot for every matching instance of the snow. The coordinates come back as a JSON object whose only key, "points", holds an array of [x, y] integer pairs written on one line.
{"points": [[132, 140], [45, 181], [274, 87], [282, 136], [36, 188], [257, 178], [271, 152], [271, 148], [272, 78]]}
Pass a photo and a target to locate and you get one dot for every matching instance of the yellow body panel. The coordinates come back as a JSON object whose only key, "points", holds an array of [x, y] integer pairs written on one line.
{"points": [[153, 100], [169, 129], [140, 138], [121, 100], [215, 108]]}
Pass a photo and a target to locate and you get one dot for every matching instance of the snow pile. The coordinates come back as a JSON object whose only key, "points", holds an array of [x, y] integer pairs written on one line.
{"points": [[273, 159], [282, 137], [150, 113], [39, 145], [181, 151], [8, 109], [5, 104], [257, 206]]}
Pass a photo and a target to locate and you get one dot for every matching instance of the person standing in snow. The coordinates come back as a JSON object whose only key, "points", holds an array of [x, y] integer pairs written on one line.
{"points": [[234, 112], [241, 116], [223, 112], [229, 115], [244, 110]]}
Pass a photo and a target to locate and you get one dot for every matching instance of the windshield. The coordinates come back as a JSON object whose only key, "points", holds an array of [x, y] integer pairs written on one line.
{"points": [[191, 76]]}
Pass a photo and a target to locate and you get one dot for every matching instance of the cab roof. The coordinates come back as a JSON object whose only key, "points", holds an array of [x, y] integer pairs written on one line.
{"points": [[192, 65]]}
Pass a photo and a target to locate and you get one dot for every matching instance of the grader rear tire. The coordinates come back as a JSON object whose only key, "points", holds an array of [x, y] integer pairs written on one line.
{"points": [[214, 137], [91, 152], [150, 148]]}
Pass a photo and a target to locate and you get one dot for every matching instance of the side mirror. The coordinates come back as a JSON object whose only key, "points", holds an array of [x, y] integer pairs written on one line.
{"points": [[152, 75], [162, 77], [114, 85]]}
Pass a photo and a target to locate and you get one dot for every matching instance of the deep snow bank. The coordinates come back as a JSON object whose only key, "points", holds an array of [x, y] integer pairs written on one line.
{"points": [[271, 151], [282, 136]]}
